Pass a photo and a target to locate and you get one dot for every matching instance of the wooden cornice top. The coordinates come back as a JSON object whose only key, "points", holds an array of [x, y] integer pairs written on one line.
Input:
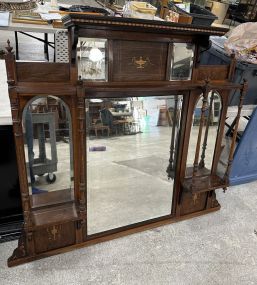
{"points": [[129, 24]]}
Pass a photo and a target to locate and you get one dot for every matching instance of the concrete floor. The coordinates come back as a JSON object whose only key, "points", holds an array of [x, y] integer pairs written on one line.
{"points": [[128, 183], [218, 248]]}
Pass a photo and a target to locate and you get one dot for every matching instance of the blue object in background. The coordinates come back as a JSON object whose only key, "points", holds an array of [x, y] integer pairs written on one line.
{"points": [[244, 166]]}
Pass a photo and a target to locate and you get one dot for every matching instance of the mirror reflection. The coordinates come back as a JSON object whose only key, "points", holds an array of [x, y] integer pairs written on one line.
{"points": [[131, 159], [209, 129], [48, 150], [92, 59], [182, 62]]}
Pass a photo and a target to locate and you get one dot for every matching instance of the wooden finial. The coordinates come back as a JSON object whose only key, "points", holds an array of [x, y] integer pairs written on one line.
{"points": [[205, 88], [9, 48], [80, 81]]}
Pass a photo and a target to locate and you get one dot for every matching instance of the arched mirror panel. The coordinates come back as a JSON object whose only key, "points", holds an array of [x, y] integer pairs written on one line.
{"points": [[203, 136], [48, 151]]}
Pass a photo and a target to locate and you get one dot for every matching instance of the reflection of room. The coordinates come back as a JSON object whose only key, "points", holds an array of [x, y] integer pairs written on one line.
{"points": [[92, 63], [47, 133], [127, 162], [128, 152]]}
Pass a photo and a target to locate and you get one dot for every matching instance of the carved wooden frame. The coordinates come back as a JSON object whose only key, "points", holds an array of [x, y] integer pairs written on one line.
{"points": [[27, 79]]}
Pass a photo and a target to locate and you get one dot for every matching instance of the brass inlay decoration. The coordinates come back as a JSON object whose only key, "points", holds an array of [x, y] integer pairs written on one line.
{"points": [[140, 62], [53, 232], [195, 198]]}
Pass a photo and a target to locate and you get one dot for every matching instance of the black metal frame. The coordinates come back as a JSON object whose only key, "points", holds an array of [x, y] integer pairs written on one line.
{"points": [[45, 41]]}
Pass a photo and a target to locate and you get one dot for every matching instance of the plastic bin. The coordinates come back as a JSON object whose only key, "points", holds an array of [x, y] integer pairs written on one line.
{"points": [[201, 16], [217, 55]]}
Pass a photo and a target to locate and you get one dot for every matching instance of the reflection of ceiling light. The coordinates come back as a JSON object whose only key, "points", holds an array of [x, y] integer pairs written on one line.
{"points": [[95, 54], [96, 100]]}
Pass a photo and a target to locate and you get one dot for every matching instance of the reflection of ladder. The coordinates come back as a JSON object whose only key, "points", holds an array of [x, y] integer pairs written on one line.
{"points": [[164, 118]]}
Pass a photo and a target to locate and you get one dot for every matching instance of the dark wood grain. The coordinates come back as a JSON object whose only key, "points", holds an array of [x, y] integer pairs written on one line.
{"points": [[54, 214], [49, 198], [214, 72], [56, 236], [139, 56], [117, 233], [139, 61], [42, 72]]}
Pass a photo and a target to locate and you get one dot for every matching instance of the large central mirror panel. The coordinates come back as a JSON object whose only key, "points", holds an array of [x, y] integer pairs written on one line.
{"points": [[132, 148]]}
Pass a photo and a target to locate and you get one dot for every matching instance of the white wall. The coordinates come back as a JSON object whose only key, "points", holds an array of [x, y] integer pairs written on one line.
{"points": [[5, 108]]}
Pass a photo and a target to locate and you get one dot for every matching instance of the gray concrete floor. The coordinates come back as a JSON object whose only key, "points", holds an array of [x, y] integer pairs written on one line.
{"points": [[218, 248], [128, 183]]}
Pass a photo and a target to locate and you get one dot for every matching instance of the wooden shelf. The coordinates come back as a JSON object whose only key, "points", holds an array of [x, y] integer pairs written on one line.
{"points": [[54, 214], [51, 198], [202, 182]]}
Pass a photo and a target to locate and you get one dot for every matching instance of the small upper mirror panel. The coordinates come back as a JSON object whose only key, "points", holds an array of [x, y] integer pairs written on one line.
{"points": [[92, 62], [48, 151], [182, 61]]}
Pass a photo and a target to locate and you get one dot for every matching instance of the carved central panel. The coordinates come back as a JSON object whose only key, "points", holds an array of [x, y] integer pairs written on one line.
{"points": [[139, 61]]}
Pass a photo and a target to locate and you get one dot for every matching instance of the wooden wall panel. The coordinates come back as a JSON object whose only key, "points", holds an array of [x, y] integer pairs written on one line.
{"points": [[190, 205], [42, 72], [212, 72], [139, 61], [55, 236]]}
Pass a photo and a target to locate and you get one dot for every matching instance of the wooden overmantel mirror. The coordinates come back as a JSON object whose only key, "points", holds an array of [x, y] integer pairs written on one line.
{"points": [[126, 136]]}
